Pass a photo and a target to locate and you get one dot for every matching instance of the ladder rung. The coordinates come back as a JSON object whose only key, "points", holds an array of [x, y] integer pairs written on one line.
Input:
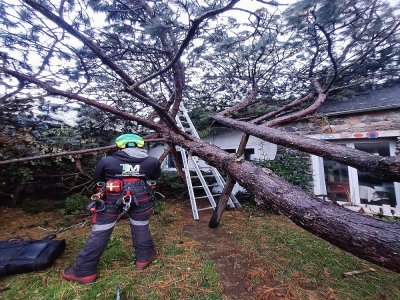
{"points": [[203, 176], [205, 208], [202, 197], [199, 186]]}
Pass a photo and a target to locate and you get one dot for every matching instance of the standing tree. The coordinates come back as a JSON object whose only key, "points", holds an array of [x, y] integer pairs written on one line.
{"points": [[138, 59]]}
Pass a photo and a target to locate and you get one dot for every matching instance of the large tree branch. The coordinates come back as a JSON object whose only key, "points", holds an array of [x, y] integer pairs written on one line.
{"points": [[385, 167], [84, 152], [287, 107], [296, 115], [331, 57], [189, 36], [243, 104], [54, 91], [315, 56], [60, 154]]}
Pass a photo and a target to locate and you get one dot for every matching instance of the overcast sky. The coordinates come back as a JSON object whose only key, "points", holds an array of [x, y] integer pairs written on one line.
{"points": [[393, 2]]}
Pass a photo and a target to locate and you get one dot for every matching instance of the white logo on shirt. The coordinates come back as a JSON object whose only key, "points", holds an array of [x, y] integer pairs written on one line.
{"points": [[129, 170]]}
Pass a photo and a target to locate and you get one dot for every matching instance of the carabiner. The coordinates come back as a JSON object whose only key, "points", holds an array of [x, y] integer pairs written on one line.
{"points": [[97, 196], [126, 200]]}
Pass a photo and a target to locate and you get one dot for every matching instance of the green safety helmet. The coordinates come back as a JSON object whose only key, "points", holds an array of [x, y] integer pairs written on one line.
{"points": [[129, 140]]}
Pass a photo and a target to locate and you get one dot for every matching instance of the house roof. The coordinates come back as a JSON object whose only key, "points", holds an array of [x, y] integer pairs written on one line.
{"points": [[371, 100]]}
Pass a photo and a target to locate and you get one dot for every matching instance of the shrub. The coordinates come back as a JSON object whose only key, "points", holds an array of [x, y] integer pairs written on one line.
{"points": [[74, 204], [170, 184], [292, 166]]}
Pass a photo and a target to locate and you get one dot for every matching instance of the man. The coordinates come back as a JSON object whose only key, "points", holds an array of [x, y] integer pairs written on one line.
{"points": [[125, 173]]}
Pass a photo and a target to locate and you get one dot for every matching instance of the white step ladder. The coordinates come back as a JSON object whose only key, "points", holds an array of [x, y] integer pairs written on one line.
{"points": [[204, 172]]}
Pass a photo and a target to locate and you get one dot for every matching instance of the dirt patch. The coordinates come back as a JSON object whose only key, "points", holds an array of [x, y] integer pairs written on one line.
{"points": [[242, 274], [16, 223]]}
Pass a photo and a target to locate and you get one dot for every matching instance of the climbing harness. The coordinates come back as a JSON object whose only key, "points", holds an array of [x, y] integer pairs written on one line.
{"points": [[123, 193]]}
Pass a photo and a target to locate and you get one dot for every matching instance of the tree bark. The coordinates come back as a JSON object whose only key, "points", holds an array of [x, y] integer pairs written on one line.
{"points": [[366, 237], [223, 201], [387, 168]]}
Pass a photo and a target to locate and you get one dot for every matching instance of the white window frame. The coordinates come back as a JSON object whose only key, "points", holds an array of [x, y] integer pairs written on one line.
{"points": [[320, 185]]}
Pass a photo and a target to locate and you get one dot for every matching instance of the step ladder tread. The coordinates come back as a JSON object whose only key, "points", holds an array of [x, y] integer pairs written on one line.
{"points": [[202, 197], [205, 208], [209, 185]]}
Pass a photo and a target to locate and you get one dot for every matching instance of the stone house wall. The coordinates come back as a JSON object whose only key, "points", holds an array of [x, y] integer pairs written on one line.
{"points": [[361, 122]]}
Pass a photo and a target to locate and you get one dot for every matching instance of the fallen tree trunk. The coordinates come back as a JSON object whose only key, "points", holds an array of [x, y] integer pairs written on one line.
{"points": [[366, 237], [387, 168]]}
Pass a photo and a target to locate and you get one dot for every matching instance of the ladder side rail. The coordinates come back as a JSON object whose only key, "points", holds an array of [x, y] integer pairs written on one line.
{"points": [[191, 129], [203, 182], [179, 123], [189, 184], [189, 121], [235, 201]]}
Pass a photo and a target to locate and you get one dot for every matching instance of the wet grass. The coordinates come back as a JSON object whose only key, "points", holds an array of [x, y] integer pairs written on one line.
{"points": [[290, 261], [180, 273], [309, 266]]}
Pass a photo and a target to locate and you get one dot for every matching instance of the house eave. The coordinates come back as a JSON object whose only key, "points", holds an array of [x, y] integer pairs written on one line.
{"points": [[356, 111]]}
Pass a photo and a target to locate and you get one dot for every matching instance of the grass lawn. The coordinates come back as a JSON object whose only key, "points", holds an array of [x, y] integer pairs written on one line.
{"points": [[289, 263], [308, 266]]}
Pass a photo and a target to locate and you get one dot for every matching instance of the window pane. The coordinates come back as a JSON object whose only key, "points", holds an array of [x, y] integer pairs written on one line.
{"points": [[248, 152], [170, 161], [374, 191], [337, 181]]}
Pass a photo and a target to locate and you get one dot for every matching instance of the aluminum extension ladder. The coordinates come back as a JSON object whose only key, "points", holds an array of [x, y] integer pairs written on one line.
{"points": [[206, 176]]}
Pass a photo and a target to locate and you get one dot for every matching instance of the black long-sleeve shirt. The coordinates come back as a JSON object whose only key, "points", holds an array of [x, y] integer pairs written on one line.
{"points": [[121, 165]]}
